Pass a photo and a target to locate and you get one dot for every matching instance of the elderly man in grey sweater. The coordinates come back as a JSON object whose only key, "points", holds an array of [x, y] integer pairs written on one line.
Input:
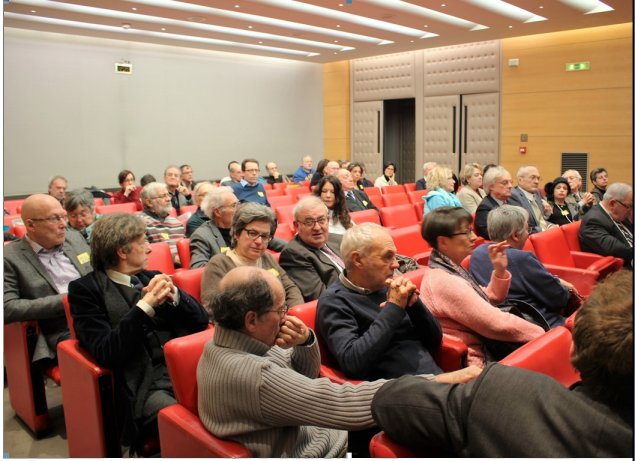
{"points": [[258, 378]]}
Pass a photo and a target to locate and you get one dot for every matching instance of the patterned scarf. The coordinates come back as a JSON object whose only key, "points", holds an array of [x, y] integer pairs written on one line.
{"points": [[440, 261]]}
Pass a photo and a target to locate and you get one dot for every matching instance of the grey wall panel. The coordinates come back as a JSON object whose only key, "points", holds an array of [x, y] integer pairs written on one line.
{"points": [[483, 120], [441, 129], [389, 76], [462, 69], [367, 136]]}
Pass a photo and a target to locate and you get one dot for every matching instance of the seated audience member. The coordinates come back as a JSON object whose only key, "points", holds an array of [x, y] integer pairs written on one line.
{"points": [[57, 188], [388, 178], [235, 174], [367, 340], [214, 235], [161, 227], [304, 171], [253, 226], [600, 180], [557, 193], [462, 306], [274, 175], [531, 282], [325, 168], [357, 172], [179, 194], [527, 195], [344, 164], [607, 228], [582, 200], [124, 314], [497, 183], [80, 209], [129, 192], [356, 199], [198, 217], [38, 269], [473, 420], [146, 179], [440, 190], [259, 350], [330, 191], [471, 194], [311, 262], [421, 182], [249, 189], [187, 177]]}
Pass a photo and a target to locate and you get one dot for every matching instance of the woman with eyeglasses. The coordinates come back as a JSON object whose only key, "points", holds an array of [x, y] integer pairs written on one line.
{"points": [[129, 192], [388, 178], [253, 227], [330, 191], [465, 309], [80, 208]]}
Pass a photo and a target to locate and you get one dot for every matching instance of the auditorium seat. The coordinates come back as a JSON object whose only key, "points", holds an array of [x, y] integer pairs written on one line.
{"points": [[12, 221], [361, 216], [189, 209], [275, 192], [285, 214], [409, 186], [160, 258], [372, 190], [13, 206], [382, 446], [281, 200], [183, 249], [377, 199], [398, 216], [116, 208], [397, 188], [295, 191], [395, 198], [570, 321], [181, 432], [285, 231], [280, 186], [409, 242], [189, 280]]}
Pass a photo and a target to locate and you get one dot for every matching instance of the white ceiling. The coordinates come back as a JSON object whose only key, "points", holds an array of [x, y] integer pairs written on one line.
{"points": [[318, 31]]}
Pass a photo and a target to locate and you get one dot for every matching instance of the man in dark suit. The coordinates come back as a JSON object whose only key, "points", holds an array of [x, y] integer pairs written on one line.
{"points": [[497, 182], [527, 195], [308, 259], [421, 183], [123, 315], [356, 200], [607, 228], [548, 420], [38, 269]]}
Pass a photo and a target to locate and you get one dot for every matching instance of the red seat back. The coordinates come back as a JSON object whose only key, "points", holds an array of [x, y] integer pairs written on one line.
{"points": [[571, 232], [294, 191], [160, 259], [381, 446], [377, 199], [275, 192], [281, 200], [409, 186], [372, 190], [13, 206], [130, 207], [183, 249], [189, 209], [408, 240], [417, 275], [285, 231], [285, 214], [361, 216], [395, 198], [398, 216], [189, 280], [397, 188], [551, 247]]}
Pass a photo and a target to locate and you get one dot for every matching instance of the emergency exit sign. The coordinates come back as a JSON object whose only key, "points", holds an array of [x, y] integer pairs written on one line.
{"points": [[575, 66]]}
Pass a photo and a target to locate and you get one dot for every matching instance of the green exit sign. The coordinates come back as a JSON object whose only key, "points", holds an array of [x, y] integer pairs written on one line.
{"points": [[575, 66]]}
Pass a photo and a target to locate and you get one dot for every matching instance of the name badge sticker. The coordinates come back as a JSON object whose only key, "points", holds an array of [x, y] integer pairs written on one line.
{"points": [[224, 249], [261, 194], [83, 258], [274, 272], [165, 235]]}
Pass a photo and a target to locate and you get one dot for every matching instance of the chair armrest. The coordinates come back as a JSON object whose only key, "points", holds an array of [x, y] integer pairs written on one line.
{"points": [[182, 435], [336, 376], [422, 258], [451, 355], [89, 409], [594, 262], [584, 280]]}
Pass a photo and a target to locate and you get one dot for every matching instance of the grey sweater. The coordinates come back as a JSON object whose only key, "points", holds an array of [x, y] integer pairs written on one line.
{"points": [[271, 400]]}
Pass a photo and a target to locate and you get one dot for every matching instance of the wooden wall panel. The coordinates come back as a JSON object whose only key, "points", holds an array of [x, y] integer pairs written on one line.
{"points": [[337, 132]]}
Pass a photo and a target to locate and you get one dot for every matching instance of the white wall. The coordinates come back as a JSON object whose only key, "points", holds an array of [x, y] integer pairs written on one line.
{"points": [[67, 112]]}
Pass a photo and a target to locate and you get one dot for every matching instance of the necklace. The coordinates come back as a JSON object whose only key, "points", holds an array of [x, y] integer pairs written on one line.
{"points": [[564, 211]]}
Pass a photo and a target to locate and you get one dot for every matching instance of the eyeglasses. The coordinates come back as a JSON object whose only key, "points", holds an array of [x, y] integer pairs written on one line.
{"points": [[52, 219], [253, 170], [311, 222], [628, 207], [161, 196], [282, 311], [253, 235], [466, 233], [81, 214]]}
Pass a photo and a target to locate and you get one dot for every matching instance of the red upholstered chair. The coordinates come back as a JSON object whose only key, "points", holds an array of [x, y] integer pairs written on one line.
{"points": [[376, 198], [409, 242], [117, 208], [397, 188], [361, 216], [98, 201], [395, 198], [275, 192], [571, 232], [189, 280], [188, 209], [160, 259], [281, 200], [267, 186], [181, 431], [25, 380], [398, 216], [13, 206], [183, 249], [416, 196], [285, 231], [280, 186], [570, 321], [372, 190], [12, 221], [295, 191], [549, 354], [417, 275], [409, 186], [382, 446], [19, 230], [285, 214]]}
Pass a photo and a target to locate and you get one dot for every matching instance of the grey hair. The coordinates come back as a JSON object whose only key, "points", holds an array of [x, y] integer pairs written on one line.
{"points": [[111, 232], [504, 221], [55, 178], [427, 166], [170, 167], [215, 199], [198, 186], [468, 171], [79, 197], [492, 175], [575, 173], [150, 190], [359, 238], [617, 191], [249, 212], [522, 170], [307, 203]]}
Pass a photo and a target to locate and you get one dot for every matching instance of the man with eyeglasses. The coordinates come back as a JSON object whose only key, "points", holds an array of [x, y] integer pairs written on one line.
{"points": [[583, 201], [80, 206], [309, 259], [161, 227], [179, 194], [497, 183], [607, 228], [38, 269], [250, 189], [527, 195]]}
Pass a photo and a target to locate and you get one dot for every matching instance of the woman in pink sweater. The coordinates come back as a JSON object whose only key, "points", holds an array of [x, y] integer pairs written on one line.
{"points": [[463, 307]]}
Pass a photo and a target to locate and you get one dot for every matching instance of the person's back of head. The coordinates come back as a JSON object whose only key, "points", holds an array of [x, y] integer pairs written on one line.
{"points": [[146, 179], [603, 341], [507, 221]]}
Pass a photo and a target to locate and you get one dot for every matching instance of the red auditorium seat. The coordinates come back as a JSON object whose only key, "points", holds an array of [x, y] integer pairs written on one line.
{"points": [[285, 214], [285, 231], [398, 216], [409, 242], [377, 199], [275, 192], [160, 259], [13, 206], [295, 191], [181, 431], [189, 280], [409, 186], [395, 198], [281, 200], [382, 446], [116, 208], [188, 209], [570, 321], [372, 190], [183, 249], [397, 188], [361, 216]]}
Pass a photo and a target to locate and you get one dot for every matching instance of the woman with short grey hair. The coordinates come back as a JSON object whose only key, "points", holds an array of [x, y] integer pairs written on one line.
{"points": [[253, 227], [80, 208]]}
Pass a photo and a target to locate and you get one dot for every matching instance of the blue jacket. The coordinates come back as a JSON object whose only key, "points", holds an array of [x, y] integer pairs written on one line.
{"points": [[438, 198]]}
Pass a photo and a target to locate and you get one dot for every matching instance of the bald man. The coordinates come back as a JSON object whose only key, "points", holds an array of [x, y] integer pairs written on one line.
{"points": [[38, 269]]}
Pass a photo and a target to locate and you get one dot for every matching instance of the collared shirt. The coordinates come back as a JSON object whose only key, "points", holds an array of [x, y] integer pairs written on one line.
{"points": [[125, 280], [351, 286], [626, 232], [59, 267]]}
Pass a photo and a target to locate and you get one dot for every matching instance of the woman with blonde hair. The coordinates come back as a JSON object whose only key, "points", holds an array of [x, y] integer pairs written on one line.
{"points": [[440, 185], [471, 193]]}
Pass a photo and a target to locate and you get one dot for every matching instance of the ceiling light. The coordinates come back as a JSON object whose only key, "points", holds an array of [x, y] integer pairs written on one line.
{"points": [[507, 9], [236, 6], [33, 11], [133, 8], [250, 27], [125, 26], [588, 6], [162, 28]]}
